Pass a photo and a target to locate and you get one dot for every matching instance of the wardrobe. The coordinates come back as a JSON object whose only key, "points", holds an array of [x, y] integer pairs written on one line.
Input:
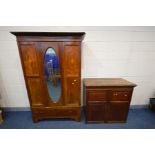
{"points": [[51, 63]]}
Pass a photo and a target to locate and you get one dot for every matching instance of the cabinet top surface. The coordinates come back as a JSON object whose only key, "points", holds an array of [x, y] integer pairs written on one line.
{"points": [[48, 33], [107, 82]]}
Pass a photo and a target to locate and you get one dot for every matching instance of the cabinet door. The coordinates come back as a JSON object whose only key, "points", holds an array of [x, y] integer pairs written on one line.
{"points": [[72, 72], [73, 91], [117, 111], [95, 112], [29, 59], [51, 68]]}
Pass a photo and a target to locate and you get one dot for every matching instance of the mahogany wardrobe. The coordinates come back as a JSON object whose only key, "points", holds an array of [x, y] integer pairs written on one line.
{"points": [[51, 63]]}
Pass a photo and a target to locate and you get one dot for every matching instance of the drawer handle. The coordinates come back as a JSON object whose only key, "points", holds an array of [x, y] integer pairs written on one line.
{"points": [[125, 95], [75, 80], [73, 83], [115, 94]]}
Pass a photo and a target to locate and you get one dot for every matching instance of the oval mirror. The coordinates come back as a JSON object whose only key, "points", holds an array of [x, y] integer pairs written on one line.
{"points": [[52, 73]]}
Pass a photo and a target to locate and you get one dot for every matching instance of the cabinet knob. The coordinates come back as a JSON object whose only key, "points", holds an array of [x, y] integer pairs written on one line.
{"points": [[75, 80], [72, 82], [115, 94], [125, 95]]}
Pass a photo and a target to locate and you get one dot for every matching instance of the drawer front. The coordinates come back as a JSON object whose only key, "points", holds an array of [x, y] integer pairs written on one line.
{"points": [[96, 95], [120, 95], [55, 111]]}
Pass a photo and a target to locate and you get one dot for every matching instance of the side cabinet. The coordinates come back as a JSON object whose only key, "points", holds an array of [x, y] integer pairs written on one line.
{"points": [[107, 100], [51, 63]]}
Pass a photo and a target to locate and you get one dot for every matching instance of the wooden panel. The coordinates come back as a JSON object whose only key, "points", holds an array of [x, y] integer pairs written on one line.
{"points": [[29, 57], [72, 59], [35, 91], [117, 111], [95, 112], [73, 91], [120, 95], [56, 112], [96, 95]]}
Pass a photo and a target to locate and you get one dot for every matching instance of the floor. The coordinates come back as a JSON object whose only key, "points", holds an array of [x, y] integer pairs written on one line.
{"points": [[137, 119]]}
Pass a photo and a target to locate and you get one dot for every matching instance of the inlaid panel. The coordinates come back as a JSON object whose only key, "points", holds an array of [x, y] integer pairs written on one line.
{"points": [[73, 91], [29, 57], [72, 59], [35, 91]]}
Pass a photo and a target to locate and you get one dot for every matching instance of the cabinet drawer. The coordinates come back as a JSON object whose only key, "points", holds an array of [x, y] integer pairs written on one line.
{"points": [[120, 95], [96, 95]]}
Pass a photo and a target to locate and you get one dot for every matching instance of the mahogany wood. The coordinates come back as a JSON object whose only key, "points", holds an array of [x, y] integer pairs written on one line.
{"points": [[32, 47]]}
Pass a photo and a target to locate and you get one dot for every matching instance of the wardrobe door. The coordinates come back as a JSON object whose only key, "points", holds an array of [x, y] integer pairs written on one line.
{"points": [[72, 70], [51, 69], [29, 59]]}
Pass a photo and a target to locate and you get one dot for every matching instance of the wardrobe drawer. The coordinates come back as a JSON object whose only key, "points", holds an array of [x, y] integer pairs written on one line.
{"points": [[120, 95], [97, 95]]}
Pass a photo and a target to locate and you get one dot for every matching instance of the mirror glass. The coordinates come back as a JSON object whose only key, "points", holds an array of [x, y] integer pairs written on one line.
{"points": [[52, 73]]}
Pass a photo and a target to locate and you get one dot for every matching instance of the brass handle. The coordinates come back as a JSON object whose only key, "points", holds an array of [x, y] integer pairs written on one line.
{"points": [[73, 83], [74, 80]]}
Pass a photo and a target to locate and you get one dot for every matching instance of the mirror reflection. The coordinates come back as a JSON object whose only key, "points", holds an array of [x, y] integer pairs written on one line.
{"points": [[52, 72]]}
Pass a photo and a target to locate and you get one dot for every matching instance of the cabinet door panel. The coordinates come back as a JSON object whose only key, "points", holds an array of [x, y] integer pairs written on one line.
{"points": [[117, 111], [51, 68], [72, 59], [96, 112], [28, 53], [73, 91], [35, 91]]}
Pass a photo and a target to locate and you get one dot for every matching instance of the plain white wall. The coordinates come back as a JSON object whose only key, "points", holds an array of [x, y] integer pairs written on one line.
{"points": [[126, 52]]}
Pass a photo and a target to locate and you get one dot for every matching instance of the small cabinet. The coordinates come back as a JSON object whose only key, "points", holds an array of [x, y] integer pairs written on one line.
{"points": [[107, 100]]}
